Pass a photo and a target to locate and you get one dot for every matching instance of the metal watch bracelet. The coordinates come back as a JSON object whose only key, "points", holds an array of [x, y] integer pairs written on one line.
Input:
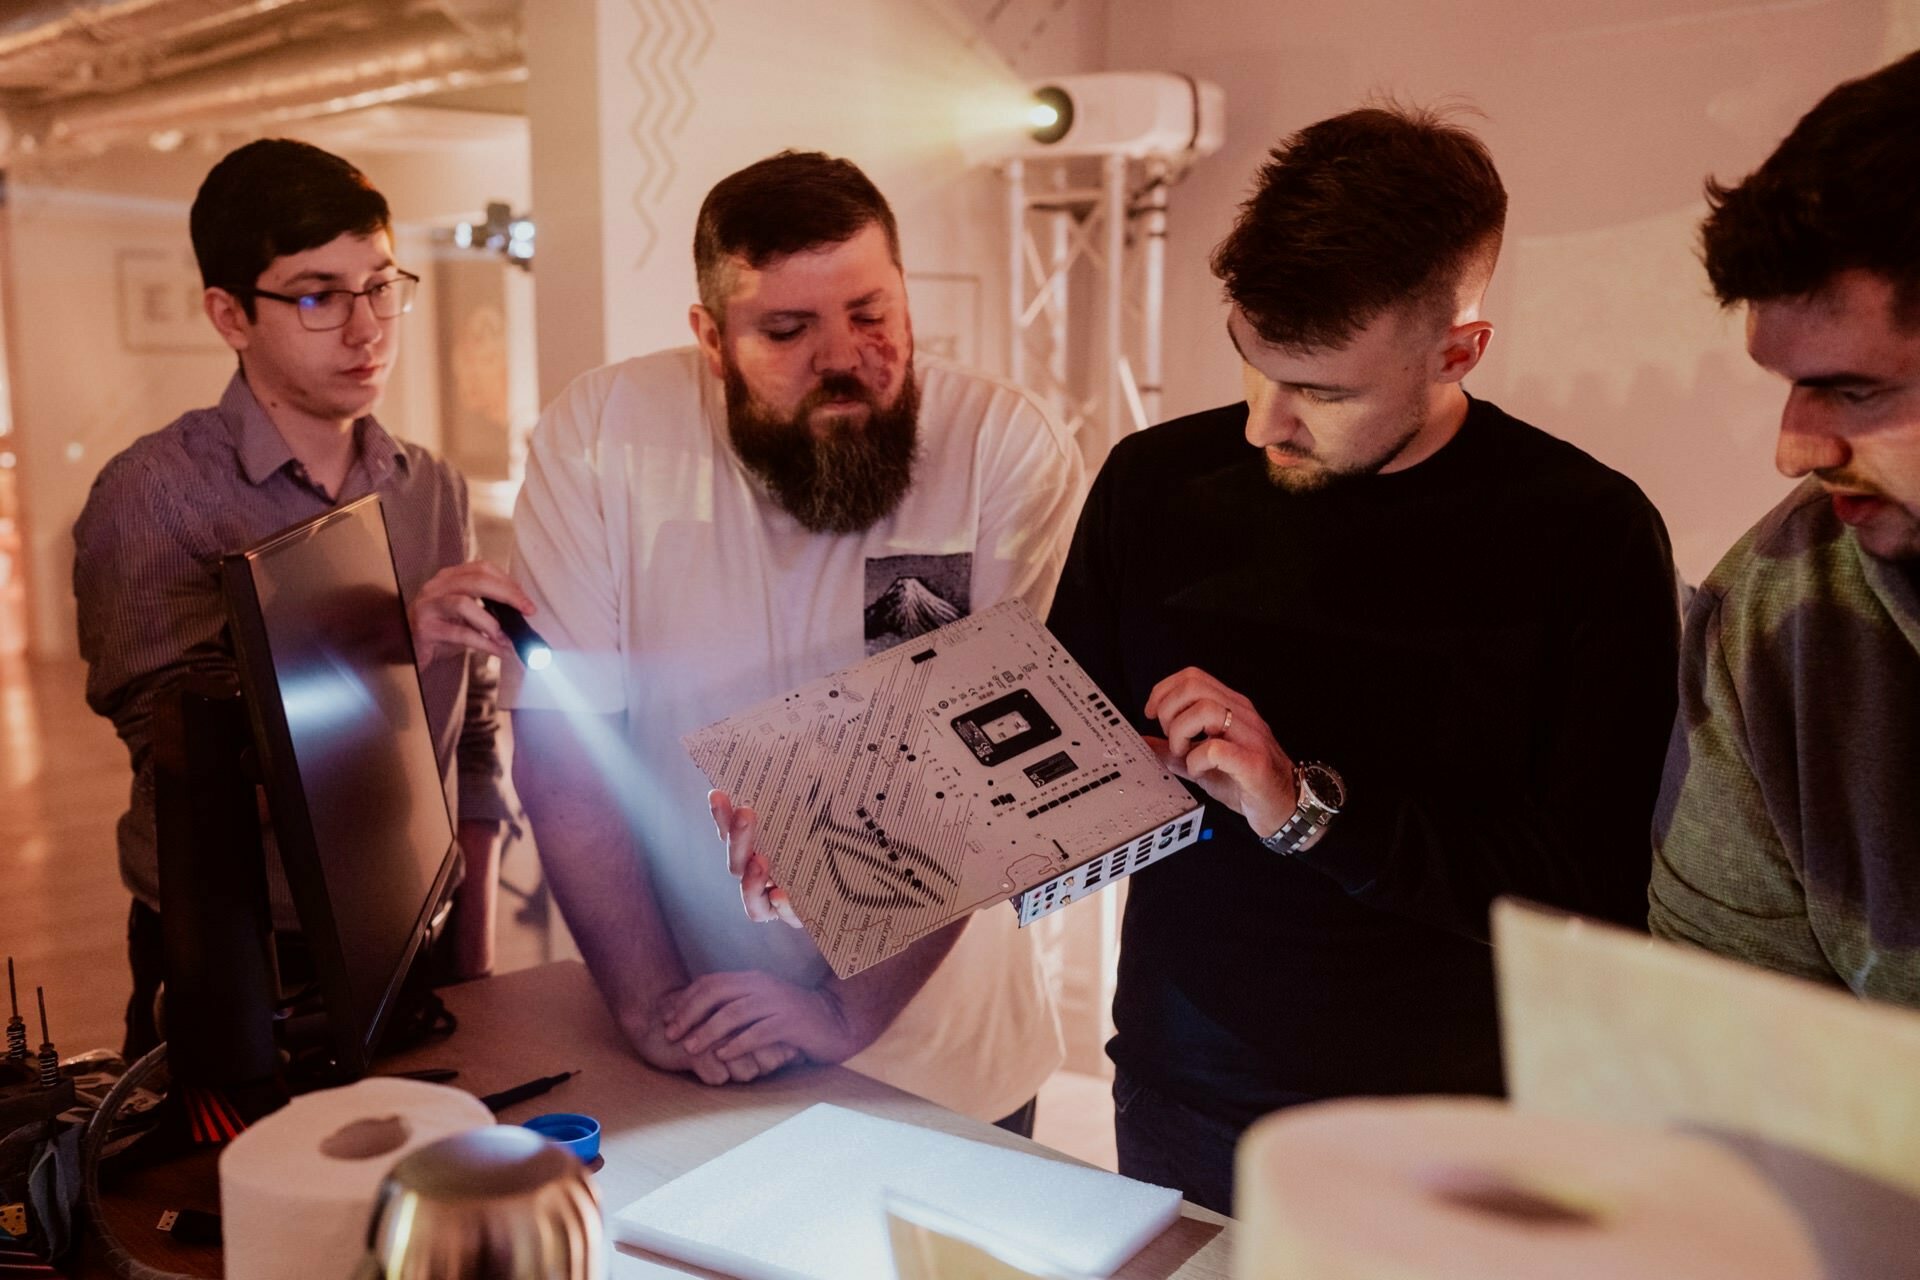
{"points": [[1311, 814]]}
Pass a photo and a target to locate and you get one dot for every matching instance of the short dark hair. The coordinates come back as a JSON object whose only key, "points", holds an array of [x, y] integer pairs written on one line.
{"points": [[785, 204], [1355, 214], [275, 197], [1843, 191]]}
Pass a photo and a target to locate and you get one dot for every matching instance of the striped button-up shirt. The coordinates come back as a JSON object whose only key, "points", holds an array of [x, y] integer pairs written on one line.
{"points": [[146, 576]]}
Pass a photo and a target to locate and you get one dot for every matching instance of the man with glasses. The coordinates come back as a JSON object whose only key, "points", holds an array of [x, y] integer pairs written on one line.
{"points": [[296, 252]]}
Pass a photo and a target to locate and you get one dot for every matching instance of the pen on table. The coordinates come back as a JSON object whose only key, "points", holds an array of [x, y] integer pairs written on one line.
{"points": [[498, 1102]]}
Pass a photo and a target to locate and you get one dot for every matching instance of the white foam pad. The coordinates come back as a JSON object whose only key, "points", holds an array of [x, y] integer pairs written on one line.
{"points": [[805, 1201]]}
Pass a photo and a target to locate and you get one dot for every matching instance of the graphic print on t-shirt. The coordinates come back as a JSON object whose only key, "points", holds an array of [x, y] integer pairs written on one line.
{"points": [[908, 596]]}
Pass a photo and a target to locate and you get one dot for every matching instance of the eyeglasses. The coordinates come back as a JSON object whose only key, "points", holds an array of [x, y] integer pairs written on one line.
{"points": [[332, 308]]}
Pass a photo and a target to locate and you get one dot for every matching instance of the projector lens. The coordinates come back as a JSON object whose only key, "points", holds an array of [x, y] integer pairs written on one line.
{"points": [[1051, 115]]}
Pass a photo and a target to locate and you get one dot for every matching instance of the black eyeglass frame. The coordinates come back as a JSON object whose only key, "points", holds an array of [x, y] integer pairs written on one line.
{"points": [[354, 295]]}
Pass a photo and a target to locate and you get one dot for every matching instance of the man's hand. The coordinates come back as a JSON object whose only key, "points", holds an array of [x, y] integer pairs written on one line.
{"points": [[763, 899], [446, 616], [660, 1051], [735, 1015], [1216, 739]]}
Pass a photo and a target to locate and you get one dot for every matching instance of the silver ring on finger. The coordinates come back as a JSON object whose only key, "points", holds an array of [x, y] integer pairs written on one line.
{"points": [[1227, 722]]}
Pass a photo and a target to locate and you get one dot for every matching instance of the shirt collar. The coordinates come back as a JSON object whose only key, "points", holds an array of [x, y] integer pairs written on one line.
{"points": [[263, 450]]}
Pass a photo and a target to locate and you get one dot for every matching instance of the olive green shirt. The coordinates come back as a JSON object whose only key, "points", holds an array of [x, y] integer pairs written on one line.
{"points": [[1788, 828]]}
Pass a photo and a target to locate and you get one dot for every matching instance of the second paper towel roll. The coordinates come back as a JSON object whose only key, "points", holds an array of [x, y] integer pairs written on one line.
{"points": [[1466, 1189], [297, 1188]]}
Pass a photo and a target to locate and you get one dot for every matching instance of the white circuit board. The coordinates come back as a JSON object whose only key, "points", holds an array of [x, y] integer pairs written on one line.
{"points": [[975, 764]]}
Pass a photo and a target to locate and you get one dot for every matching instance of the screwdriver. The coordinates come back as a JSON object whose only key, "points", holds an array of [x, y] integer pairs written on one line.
{"points": [[498, 1102]]}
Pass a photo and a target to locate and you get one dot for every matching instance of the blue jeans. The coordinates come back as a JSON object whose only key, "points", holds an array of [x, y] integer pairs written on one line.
{"points": [[1169, 1144]]}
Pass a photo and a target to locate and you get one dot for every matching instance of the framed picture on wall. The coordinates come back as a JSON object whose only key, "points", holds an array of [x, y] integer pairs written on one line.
{"points": [[470, 301], [160, 302]]}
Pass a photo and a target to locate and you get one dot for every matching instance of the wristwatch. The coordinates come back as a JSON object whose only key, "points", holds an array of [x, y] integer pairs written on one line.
{"points": [[1319, 795]]}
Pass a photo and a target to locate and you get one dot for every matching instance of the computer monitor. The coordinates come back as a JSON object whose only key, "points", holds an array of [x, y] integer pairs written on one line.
{"points": [[365, 833]]}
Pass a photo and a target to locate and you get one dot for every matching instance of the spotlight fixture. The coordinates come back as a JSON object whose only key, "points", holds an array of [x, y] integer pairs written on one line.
{"points": [[1127, 113], [533, 651], [504, 232], [1050, 116]]}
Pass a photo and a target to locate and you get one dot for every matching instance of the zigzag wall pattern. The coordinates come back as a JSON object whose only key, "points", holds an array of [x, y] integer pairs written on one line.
{"points": [[675, 36]]}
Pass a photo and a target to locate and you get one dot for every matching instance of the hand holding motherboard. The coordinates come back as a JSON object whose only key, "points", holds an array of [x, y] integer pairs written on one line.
{"points": [[736, 825], [972, 765]]}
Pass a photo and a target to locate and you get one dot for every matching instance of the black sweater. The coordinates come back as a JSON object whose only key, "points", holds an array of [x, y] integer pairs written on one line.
{"points": [[1484, 645]]}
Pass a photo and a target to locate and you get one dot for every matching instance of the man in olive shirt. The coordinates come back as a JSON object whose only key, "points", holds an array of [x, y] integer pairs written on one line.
{"points": [[1788, 832]]}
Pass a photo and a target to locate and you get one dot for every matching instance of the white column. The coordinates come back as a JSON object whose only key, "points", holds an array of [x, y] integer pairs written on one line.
{"points": [[1153, 287], [1114, 210]]}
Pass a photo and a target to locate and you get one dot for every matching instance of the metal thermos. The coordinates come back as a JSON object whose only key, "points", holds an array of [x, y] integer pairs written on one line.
{"points": [[497, 1203]]}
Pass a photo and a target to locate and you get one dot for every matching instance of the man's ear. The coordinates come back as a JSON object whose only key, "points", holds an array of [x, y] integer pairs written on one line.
{"points": [[1460, 350], [706, 332], [229, 318]]}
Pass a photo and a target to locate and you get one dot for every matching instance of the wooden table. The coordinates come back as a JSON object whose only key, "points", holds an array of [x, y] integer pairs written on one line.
{"points": [[655, 1126]]}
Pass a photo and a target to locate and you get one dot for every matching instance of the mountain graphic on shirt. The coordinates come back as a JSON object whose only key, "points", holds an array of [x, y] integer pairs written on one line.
{"points": [[909, 608]]}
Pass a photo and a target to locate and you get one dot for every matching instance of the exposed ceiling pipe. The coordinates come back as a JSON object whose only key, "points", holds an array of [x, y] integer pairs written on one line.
{"points": [[57, 34], [422, 54], [481, 15]]}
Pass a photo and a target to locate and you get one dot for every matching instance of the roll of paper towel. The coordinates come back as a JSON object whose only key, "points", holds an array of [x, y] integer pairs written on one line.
{"points": [[297, 1188], [1467, 1189]]}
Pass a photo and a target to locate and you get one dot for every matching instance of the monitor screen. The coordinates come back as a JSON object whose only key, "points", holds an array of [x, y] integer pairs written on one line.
{"points": [[347, 758]]}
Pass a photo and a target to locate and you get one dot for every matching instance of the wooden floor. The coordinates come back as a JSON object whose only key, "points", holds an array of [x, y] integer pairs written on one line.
{"points": [[63, 911]]}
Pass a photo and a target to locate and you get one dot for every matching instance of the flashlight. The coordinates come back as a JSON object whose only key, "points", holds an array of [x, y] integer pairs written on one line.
{"points": [[533, 651]]}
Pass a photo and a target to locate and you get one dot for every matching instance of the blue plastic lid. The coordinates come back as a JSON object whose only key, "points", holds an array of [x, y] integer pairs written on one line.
{"points": [[577, 1133]]}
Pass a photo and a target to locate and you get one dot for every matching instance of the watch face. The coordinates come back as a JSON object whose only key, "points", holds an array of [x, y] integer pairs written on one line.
{"points": [[1324, 785]]}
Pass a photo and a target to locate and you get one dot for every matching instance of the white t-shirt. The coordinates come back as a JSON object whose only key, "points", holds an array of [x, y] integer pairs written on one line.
{"points": [[672, 588]]}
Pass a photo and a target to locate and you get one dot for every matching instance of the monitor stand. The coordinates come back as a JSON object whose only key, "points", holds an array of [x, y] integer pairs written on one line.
{"points": [[228, 1024], [235, 1052]]}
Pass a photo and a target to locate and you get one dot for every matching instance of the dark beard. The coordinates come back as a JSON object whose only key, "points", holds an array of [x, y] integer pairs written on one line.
{"points": [[1292, 480], [850, 479]]}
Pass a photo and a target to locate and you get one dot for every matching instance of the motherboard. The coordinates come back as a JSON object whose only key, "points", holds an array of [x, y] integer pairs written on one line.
{"points": [[974, 764]]}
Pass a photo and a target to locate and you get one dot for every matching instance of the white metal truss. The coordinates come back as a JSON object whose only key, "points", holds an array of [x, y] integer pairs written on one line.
{"points": [[1115, 232], [1111, 237]]}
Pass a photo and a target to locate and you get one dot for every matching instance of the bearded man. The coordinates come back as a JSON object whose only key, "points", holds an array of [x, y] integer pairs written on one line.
{"points": [[707, 527]]}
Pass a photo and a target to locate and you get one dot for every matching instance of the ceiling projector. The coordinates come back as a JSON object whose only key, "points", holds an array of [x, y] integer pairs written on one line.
{"points": [[1126, 113]]}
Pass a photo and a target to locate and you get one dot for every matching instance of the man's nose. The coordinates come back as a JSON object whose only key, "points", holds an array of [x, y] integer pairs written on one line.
{"points": [[362, 325], [837, 352], [1809, 442], [1270, 422]]}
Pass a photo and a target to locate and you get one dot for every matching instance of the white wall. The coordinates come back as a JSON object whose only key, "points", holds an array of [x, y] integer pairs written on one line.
{"points": [[106, 341], [1604, 116], [639, 106], [83, 385]]}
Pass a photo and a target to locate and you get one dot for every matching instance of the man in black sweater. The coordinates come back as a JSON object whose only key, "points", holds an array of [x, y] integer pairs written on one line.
{"points": [[1415, 653]]}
